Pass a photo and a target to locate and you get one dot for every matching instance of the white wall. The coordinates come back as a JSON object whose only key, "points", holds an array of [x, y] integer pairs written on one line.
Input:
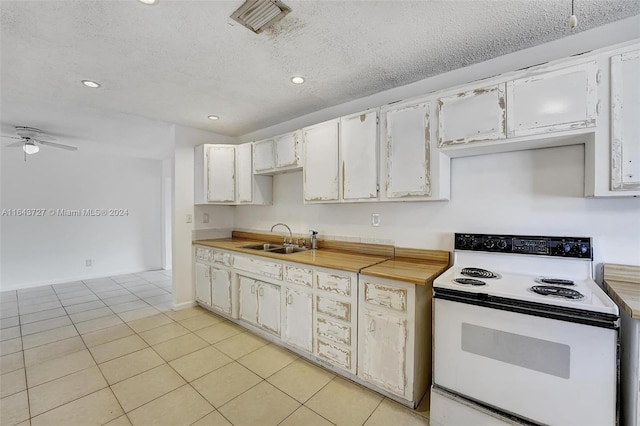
{"points": [[48, 249], [183, 161], [536, 192]]}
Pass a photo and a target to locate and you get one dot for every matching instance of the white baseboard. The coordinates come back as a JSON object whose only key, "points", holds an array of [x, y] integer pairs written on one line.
{"points": [[75, 278], [184, 305]]}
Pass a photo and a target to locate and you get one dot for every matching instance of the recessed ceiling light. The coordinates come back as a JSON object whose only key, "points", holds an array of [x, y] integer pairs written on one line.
{"points": [[90, 83], [297, 80], [149, 2], [213, 117]]}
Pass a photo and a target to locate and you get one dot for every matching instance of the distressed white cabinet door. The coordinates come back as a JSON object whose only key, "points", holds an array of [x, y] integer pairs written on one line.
{"points": [[383, 344], [263, 155], [248, 299], [221, 290], [407, 151], [269, 307], [320, 163], [221, 173], [554, 101], [625, 121], [244, 173], [298, 329], [359, 155], [286, 149], [203, 284], [470, 116]]}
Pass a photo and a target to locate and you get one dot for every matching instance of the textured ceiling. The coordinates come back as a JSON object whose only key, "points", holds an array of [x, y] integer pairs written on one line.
{"points": [[180, 61]]}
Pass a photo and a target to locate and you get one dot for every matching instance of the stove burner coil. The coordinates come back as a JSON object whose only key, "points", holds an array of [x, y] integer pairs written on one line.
{"points": [[554, 281], [478, 273], [469, 281], [547, 290]]}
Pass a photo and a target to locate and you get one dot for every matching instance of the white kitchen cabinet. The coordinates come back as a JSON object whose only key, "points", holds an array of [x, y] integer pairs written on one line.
{"points": [[394, 336], [287, 150], [203, 283], [221, 290], [298, 318], [553, 101], [248, 299], [279, 154], [358, 143], [264, 157], [335, 317], [260, 303], [625, 121], [224, 175], [384, 350], [474, 115], [320, 163]]}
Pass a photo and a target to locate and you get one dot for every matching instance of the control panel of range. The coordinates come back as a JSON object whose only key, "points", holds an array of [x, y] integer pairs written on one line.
{"points": [[578, 247]]}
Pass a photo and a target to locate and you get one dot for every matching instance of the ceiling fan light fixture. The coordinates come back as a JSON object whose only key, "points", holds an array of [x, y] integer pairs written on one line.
{"points": [[297, 79], [90, 83], [30, 148], [260, 14]]}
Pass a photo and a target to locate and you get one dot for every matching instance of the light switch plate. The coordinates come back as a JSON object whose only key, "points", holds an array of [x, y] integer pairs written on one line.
{"points": [[375, 219], [189, 218]]}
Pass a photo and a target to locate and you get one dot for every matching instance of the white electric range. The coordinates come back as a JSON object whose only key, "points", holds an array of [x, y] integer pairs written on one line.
{"points": [[521, 329]]}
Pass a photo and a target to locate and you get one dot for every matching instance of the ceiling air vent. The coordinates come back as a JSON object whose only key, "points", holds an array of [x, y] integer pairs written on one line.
{"points": [[259, 14]]}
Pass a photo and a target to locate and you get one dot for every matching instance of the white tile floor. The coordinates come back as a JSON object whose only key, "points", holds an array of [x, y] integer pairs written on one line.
{"points": [[111, 351]]}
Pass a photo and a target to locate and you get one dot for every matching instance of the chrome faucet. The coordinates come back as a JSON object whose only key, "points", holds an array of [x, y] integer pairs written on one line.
{"points": [[285, 238]]}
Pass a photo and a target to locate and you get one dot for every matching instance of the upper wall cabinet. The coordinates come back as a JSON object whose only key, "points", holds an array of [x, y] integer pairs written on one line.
{"points": [[359, 156], [413, 167], [224, 175], [470, 116], [625, 121], [279, 154], [320, 162], [565, 99]]}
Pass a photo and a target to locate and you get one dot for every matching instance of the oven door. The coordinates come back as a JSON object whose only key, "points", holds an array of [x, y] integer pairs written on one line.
{"points": [[541, 369]]}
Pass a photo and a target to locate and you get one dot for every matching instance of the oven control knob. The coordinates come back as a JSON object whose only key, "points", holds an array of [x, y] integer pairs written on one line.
{"points": [[583, 249], [489, 244], [502, 244], [567, 247], [464, 242]]}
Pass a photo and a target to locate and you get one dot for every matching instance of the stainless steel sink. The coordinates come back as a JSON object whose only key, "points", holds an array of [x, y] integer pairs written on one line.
{"points": [[287, 250], [263, 247], [274, 248]]}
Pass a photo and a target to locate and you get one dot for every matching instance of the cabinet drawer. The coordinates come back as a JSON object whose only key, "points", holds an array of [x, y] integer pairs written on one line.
{"points": [[385, 296], [334, 283], [258, 266], [297, 275], [335, 354], [222, 258], [203, 254], [334, 331], [334, 308]]}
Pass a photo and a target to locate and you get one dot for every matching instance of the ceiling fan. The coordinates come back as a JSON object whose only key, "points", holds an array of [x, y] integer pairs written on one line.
{"points": [[30, 138]]}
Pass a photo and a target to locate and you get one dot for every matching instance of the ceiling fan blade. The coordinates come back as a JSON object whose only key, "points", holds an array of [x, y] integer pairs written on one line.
{"points": [[10, 137], [58, 145], [11, 145]]}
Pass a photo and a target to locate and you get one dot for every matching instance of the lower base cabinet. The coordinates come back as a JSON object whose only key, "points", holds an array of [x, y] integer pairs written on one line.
{"points": [[394, 336], [297, 325], [260, 304], [372, 330]]}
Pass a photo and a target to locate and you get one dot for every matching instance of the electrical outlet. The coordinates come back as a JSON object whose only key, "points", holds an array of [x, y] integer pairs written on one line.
{"points": [[189, 218], [375, 219], [88, 263], [205, 218]]}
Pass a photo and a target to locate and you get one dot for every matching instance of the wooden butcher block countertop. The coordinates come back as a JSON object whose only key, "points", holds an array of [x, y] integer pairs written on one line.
{"points": [[409, 265], [622, 283]]}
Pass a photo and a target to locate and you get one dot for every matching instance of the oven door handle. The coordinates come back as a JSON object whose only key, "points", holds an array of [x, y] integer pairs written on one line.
{"points": [[561, 313]]}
